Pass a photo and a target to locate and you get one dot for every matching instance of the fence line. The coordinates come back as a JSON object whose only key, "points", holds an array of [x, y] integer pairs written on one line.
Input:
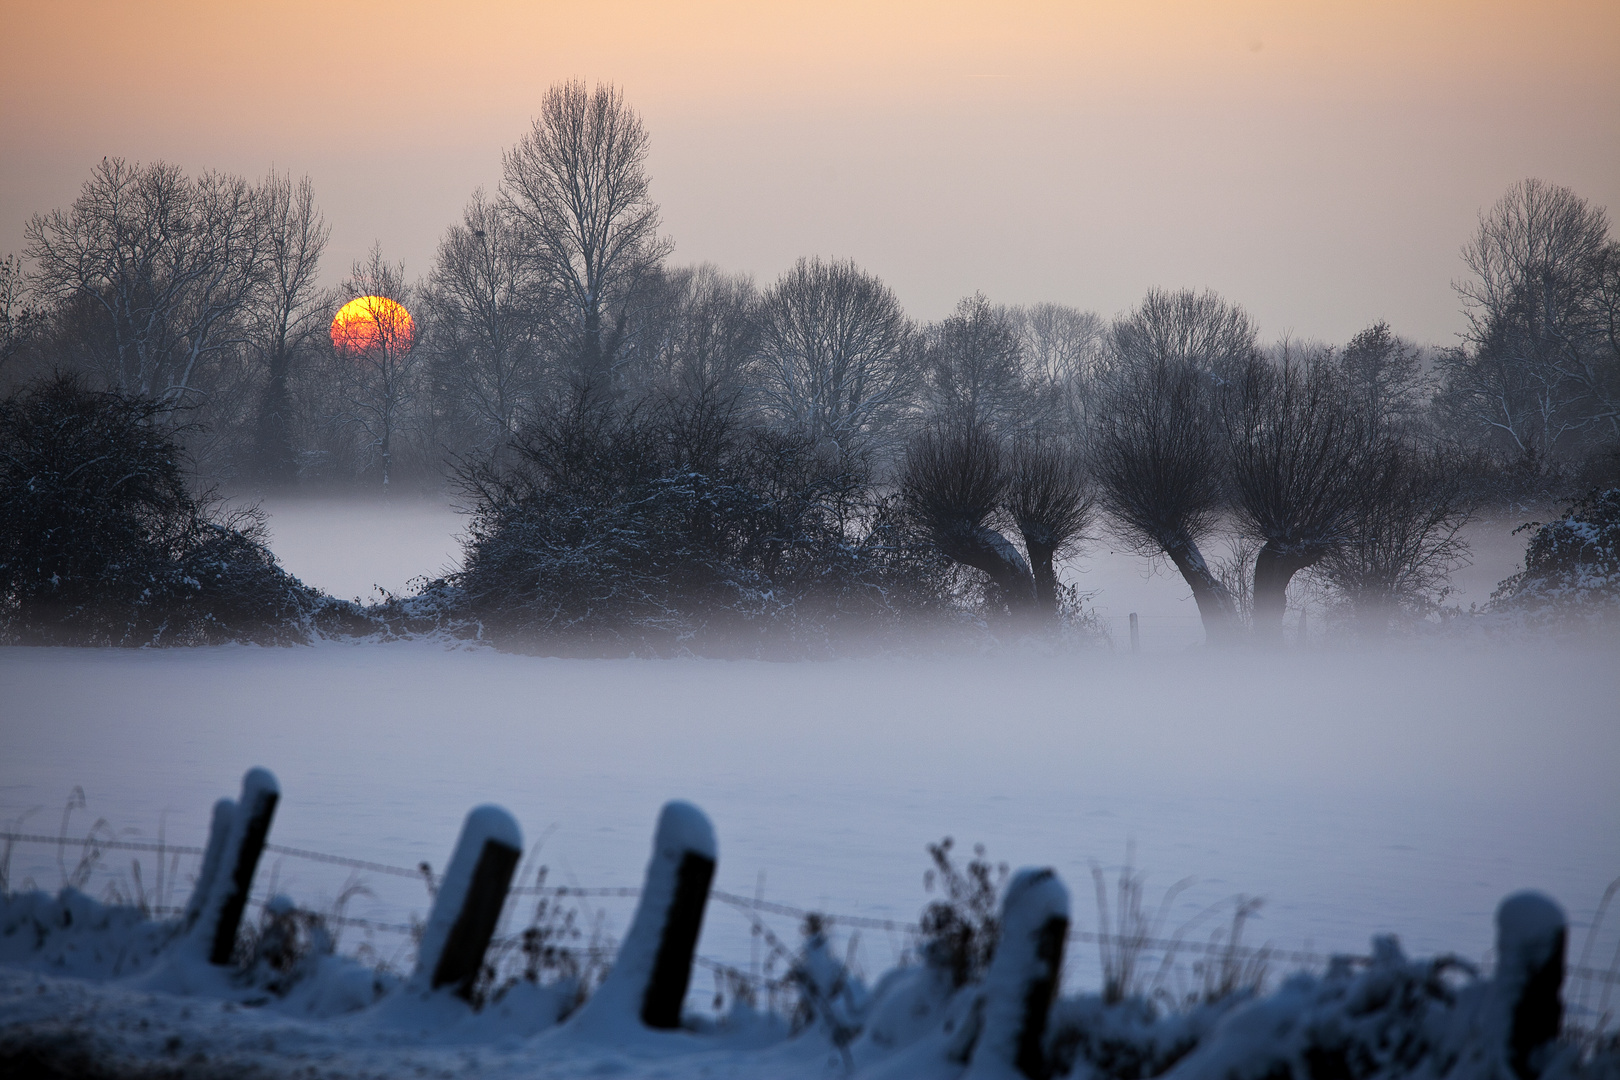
{"points": [[1156, 946]]}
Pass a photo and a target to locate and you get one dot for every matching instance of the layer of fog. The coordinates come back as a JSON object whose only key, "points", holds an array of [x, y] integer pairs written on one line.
{"points": [[355, 548], [1403, 791]]}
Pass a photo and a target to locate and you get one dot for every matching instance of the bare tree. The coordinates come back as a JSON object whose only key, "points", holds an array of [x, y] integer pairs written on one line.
{"points": [[708, 335], [288, 311], [1049, 498], [1538, 370], [973, 369], [578, 185], [1384, 380], [377, 366], [837, 354], [1198, 330], [485, 341], [1404, 536], [1299, 462], [1158, 452], [1059, 342], [1062, 347], [167, 266], [953, 483], [18, 319]]}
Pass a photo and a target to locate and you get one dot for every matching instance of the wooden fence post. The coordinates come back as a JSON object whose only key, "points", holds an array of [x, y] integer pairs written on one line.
{"points": [[1023, 978], [654, 965], [220, 913], [219, 834], [1531, 933], [469, 901], [1136, 636]]}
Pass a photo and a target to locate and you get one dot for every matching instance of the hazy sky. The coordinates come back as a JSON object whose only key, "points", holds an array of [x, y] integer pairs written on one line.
{"points": [[1321, 163]]}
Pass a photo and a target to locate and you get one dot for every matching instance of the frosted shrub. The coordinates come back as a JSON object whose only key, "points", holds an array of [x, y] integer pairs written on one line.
{"points": [[959, 930], [287, 946], [1571, 565], [655, 531], [103, 542]]}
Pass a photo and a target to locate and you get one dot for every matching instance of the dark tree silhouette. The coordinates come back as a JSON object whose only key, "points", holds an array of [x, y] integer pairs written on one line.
{"points": [[1299, 466], [953, 483], [578, 185], [1158, 451], [1048, 496], [837, 354]]}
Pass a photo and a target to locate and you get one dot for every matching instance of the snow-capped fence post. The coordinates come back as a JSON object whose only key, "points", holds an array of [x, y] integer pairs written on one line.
{"points": [[1531, 933], [221, 912], [650, 975], [469, 901], [1136, 635], [219, 833], [1023, 978]]}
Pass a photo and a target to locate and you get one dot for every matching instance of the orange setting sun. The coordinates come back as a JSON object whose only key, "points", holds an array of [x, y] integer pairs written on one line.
{"points": [[370, 324]]}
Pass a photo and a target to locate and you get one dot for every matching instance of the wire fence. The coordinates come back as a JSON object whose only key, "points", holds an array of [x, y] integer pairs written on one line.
{"points": [[754, 906]]}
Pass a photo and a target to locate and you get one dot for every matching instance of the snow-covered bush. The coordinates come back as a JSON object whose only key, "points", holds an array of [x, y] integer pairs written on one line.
{"points": [[1571, 566], [102, 541], [666, 530]]}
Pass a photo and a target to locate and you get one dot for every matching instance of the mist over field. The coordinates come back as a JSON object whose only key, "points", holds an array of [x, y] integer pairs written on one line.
{"points": [[1401, 790]]}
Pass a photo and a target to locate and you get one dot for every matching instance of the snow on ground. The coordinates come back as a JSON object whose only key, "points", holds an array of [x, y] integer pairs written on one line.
{"points": [[1405, 790]]}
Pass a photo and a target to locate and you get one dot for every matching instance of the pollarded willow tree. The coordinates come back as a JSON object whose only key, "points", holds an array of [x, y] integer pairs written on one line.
{"points": [[1158, 450], [1299, 469], [577, 184], [954, 481]]}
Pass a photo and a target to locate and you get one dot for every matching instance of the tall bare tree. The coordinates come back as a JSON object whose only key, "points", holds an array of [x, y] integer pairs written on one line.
{"points": [[18, 319], [164, 265], [486, 342], [288, 310], [837, 354], [708, 334], [1062, 347], [577, 183], [1539, 370], [1384, 380], [973, 369]]}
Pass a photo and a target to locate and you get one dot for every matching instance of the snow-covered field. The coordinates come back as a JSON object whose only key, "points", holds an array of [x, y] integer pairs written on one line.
{"points": [[1404, 790]]}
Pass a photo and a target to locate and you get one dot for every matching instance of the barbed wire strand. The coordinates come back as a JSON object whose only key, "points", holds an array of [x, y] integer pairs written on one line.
{"points": [[1157, 946]]}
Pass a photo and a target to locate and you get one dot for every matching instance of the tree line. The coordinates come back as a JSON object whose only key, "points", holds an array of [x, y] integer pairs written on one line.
{"points": [[644, 440]]}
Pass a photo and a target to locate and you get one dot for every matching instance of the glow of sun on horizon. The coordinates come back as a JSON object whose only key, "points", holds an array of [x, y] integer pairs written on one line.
{"points": [[370, 324]]}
